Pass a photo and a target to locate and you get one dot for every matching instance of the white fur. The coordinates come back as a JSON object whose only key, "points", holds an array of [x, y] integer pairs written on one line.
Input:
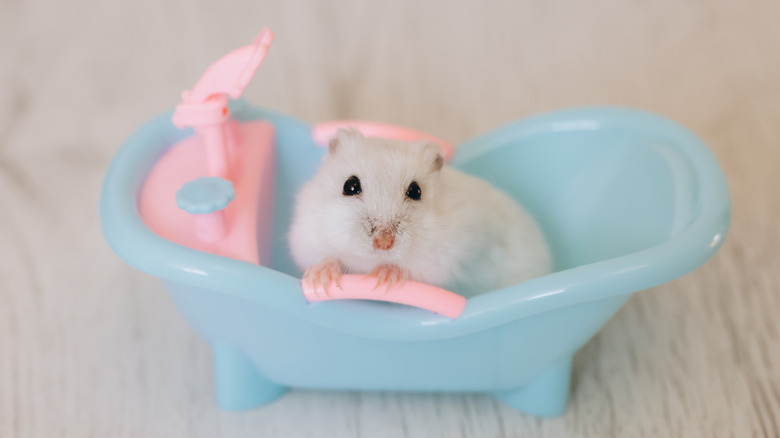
{"points": [[462, 234]]}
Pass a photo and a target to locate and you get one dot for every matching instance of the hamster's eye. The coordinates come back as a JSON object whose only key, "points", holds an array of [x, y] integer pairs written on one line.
{"points": [[352, 186], [414, 192]]}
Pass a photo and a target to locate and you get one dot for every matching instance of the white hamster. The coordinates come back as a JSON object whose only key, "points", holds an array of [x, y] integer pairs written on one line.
{"points": [[390, 208]]}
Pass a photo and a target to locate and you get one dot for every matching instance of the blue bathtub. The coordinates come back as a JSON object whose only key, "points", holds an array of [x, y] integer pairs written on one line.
{"points": [[628, 200]]}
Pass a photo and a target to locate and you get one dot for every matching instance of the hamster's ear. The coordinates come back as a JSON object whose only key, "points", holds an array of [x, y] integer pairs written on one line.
{"points": [[432, 154], [344, 136], [333, 144]]}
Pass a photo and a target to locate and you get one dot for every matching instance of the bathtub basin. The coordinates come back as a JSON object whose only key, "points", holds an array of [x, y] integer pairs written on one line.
{"points": [[628, 200]]}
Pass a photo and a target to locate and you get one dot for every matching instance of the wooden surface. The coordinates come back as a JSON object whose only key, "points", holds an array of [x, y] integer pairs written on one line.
{"points": [[89, 347]]}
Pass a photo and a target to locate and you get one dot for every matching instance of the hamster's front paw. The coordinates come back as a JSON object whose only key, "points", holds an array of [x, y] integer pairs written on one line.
{"points": [[323, 273], [389, 274]]}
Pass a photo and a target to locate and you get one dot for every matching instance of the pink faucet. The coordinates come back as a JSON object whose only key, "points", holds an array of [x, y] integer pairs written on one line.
{"points": [[205, 107]]}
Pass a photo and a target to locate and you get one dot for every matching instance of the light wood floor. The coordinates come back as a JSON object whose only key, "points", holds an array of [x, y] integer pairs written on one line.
{"points": [[89, 347]]}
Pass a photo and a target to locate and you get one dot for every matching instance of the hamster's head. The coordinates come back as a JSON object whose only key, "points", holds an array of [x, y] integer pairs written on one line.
{"points": [[377, 196]]}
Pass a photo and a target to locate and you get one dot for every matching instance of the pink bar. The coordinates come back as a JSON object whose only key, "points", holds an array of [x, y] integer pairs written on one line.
{"points": [[412, 293], [323, 132]]}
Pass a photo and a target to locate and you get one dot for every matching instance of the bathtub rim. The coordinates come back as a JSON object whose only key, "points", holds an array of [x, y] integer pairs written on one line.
{"points": [[141, 248]]}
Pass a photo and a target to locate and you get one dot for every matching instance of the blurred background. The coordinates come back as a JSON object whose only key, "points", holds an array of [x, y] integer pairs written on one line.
{"points": [[89, 347]]}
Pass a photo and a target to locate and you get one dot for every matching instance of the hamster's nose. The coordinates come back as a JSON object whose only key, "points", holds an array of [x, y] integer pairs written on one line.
{"points": [[384, 239]]}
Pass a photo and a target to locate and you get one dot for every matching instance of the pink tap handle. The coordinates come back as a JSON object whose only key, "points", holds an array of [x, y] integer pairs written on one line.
{"points": [[205, 107], [232, 73], [412, 293], [206, 103], [323, 132]]}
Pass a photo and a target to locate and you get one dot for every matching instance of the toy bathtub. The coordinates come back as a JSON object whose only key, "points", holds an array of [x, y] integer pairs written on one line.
{"points": [[627, 200]]}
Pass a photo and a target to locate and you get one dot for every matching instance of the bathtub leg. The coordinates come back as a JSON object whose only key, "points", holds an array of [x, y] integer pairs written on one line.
{"points": [[546, 395], [239, 385]]}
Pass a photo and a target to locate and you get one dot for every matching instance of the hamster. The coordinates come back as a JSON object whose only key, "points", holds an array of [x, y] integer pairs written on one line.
{"points": [[392, 209]]}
